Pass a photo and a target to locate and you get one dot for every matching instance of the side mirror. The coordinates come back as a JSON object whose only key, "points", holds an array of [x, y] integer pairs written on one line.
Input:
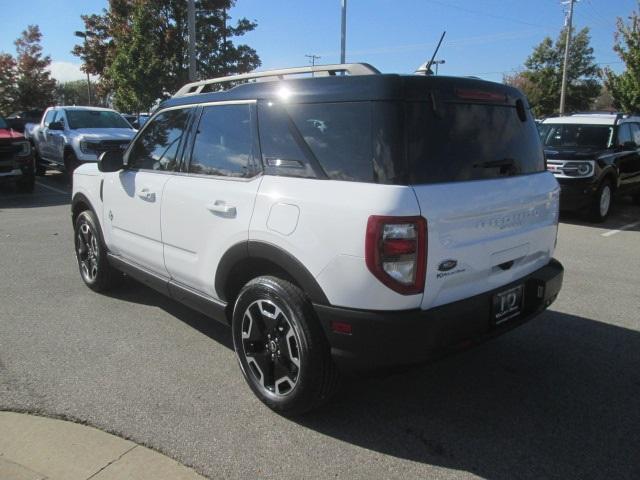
{"points": [[629, 146], [56, 126], [111, 161]]}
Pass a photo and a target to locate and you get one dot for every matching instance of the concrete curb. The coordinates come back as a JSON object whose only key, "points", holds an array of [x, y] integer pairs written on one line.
{"points": [[38, 448]]}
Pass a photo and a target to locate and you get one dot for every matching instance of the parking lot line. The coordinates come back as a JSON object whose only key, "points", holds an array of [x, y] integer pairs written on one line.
{"points": [[57, 190], [624, 227]]}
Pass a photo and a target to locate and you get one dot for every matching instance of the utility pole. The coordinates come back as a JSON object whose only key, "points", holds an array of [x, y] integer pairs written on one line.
{"points": [[191, 20], [343, 34], [563, 89], [312, 59]]}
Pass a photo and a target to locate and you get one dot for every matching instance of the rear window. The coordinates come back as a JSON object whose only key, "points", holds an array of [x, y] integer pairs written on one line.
{"points": [[469, 141], [398, 142]]}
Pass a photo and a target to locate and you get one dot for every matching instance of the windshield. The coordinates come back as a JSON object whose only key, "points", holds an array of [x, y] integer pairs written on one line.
{"points": [[3, 123], [576, 135], [95, 119]]}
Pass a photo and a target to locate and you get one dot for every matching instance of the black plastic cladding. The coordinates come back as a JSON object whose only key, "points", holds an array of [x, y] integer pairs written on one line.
{"points": [[351, 89]]}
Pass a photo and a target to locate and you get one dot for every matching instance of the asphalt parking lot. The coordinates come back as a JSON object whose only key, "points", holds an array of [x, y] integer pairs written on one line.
{"points": [[557, 398]]}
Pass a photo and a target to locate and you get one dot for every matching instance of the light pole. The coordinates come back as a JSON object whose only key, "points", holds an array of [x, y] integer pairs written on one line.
{"points": [[563, 88], [85, 35], [191, 20], [343, 32]]}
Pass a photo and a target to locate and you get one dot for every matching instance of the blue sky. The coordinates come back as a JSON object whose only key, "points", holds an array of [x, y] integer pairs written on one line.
{"points": [[486, 38]]}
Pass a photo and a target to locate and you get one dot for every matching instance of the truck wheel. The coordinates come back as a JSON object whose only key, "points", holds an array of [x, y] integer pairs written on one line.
{"points": [[70, 164], [281, 348], [602, 202], [40, 169], [26, 183], [91, 253]]}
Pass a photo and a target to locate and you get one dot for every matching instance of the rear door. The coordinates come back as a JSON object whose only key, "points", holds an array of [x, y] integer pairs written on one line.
{"points": [[44, 147], [478, 173], [133, 197], [207, 208]]}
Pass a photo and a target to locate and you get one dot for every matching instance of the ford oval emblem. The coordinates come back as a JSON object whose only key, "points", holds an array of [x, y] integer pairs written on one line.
{"points": [[447, 265]]}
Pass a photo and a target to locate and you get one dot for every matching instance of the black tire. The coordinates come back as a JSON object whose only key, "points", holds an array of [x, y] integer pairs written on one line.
{"points": [[292, 335], [70, 164], [26, 183], [40, 169], [597, 212], [91, 253]]}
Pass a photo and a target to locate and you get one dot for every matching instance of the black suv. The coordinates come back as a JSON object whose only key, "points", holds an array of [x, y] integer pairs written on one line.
{"points": [[593, 156]]}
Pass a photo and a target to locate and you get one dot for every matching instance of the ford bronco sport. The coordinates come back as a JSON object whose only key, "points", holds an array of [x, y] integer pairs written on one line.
{"points": [[342, 222], [593, 156]]}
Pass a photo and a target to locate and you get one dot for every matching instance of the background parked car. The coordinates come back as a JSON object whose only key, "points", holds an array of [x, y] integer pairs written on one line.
{"points": [[69, 136], [593, 156], [17, 120], [16, 159]]}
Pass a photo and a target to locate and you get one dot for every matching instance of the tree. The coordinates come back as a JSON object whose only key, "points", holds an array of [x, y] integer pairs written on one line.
{"points": [[542, 77], [8, 89], [73, 93], [35, 87], [625, 88], [161, 32]]}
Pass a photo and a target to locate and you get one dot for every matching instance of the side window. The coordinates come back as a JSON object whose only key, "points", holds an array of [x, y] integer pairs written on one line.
{"points": [[223, 144], [49, 117], [624, 134], [281, 153], [157, 146], [339, 135], [635, 132]]}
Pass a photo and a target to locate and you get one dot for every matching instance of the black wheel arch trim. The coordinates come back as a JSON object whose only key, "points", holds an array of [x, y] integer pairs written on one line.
{"points": [[254, 249]]}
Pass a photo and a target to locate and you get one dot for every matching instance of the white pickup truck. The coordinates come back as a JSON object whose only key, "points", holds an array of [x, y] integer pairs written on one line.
{"points": [[66, 137]]}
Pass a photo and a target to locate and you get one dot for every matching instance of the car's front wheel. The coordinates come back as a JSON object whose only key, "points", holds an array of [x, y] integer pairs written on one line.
{"points": [[91, 253], [602, 202], [281, 347]]}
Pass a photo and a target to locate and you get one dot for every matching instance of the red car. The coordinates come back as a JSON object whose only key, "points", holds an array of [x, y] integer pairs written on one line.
{"points": [[16, 159]]}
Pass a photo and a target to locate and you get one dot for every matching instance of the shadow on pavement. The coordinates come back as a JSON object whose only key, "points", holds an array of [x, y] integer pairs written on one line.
{"points": [[557, 398], [623, 212], [136, 292], [48, 192]]}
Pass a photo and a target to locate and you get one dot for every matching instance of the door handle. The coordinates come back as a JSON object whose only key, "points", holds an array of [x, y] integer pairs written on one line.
{"points": [[221, 207], [146, 194]]}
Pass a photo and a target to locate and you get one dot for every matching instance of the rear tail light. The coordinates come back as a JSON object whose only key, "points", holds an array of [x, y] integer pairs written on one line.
{"points": [[396, 252]]}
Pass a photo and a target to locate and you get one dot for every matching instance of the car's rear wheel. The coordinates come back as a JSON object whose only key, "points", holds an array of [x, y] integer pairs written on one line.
{"points": [[70, 164], [91, 253], [281, 347], [602, 202]]}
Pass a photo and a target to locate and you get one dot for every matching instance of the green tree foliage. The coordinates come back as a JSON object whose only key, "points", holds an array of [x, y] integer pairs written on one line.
{"points": [[541, 79], [159, 29], [74, 93], [34, 85], [8, 91], [625, 88]]}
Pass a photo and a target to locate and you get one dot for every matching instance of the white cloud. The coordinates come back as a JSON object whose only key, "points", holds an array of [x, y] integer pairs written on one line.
{"points": [[67, 71]]}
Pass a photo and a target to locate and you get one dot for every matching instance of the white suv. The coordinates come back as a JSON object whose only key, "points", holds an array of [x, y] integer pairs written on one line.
{"points": [[338, 223]]}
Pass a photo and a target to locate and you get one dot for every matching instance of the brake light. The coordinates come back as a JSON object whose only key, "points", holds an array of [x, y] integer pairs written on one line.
{"points": [[480, 95], [396, 252]]}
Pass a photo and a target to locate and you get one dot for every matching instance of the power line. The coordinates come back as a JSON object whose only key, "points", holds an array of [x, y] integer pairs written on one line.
{"points": [[312, 59], [486, 14]]}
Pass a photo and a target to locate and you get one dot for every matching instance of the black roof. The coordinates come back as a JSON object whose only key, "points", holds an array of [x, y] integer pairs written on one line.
{"points": [[349, 88]]}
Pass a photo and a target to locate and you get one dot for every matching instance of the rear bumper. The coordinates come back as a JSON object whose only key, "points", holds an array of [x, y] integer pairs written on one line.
{"points": [[383, 339]]}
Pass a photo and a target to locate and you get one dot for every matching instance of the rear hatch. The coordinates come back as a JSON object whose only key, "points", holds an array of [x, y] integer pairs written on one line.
{"points": [[477, 167]]}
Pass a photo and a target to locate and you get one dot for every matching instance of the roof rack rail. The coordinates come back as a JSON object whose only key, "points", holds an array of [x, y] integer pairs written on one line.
{"points": [[195, 88]]}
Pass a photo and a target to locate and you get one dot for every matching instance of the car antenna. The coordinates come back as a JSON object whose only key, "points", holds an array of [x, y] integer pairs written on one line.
{"points": [[425, 68]]}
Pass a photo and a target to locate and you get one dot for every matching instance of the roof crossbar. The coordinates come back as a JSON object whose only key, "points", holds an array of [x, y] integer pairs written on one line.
{"points": [[195, 88]]}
